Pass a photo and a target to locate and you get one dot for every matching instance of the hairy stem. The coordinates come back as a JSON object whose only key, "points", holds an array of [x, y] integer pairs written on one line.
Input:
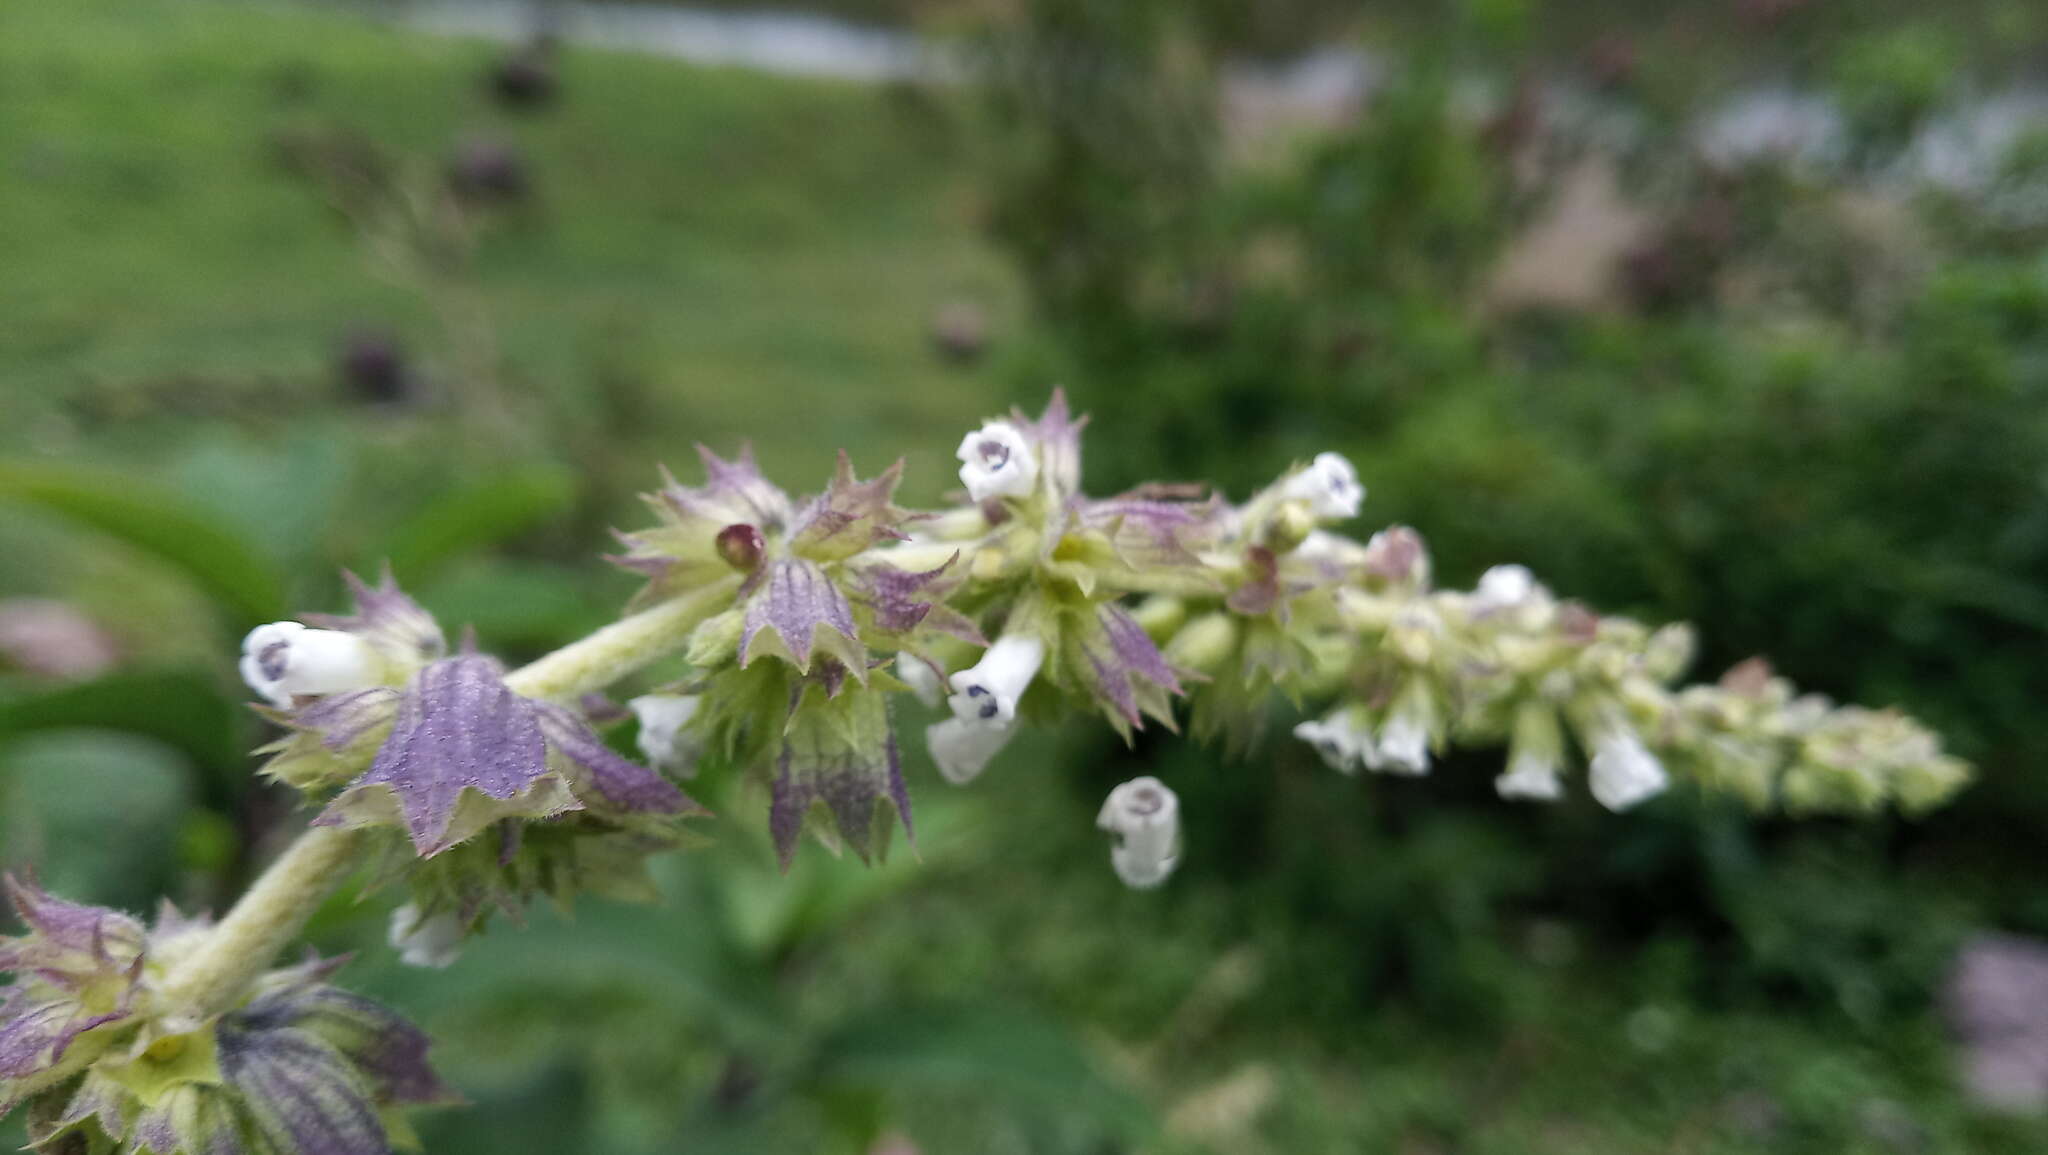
{"points": [[268, 916], [274, 910], [619, 649]]}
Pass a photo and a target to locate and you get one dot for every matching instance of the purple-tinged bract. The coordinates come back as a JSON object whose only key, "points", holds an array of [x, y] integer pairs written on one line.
{"points": [[797, 610], [464, 751], [75, 972], [839, 756], [1057, 437], [850, 516], [600, 777], [399, 627], [1110, 659]]}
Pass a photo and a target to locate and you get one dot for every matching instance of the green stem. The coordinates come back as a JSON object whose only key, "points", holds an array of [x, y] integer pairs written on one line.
{"points": [[621, 648], [275, 909], [268, 916]]}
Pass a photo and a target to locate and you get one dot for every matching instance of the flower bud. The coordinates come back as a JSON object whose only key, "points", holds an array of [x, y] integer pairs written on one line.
{"points": [[1160, 615], [286, 658], [1329, 485], [433, 941], [1669, 651], [1145, 817], [740, 546], [922, 680], [1535, 755], [1397, 554], [996, 461], [1415, 633], [1624, 772], [1203, 644], [663, 740], [988, 563], [1406, 735], [1507, 587], [1292, 525], [989, 690]]}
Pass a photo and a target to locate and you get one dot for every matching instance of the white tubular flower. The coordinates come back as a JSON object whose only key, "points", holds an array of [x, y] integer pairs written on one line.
{"points": [[1535, 756], [1145, 817], [996, 461], [988, 690], [434, 942], [1624, 772], [1506, 587], [1531, 778], [1329, 485], [1406, 734], [963, 748], [662, 740], [1342, 742], [918, 675], [286, 658], [1403, 746]]}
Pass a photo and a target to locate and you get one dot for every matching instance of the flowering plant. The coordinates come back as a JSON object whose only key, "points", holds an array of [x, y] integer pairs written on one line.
{"points": [[804, 625]]}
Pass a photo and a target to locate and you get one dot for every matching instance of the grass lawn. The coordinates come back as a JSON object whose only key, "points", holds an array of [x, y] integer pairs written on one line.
{"points": [[761, 254]]}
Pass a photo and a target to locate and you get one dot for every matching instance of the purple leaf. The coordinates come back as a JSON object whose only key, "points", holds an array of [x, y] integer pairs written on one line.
{"points": [[301, 1093], [798, 609], [1120, 667], [384, 1047], [58, 928], [388, 618], [35, 1033], [1150, 533], [342, 718], [902, 599], [850, 516], [850, 764], [1057, 436], [623, 784], [733, 491], [459, 729], [193, 1120]]}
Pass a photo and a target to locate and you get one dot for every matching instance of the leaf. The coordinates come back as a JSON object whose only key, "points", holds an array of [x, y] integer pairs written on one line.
{"points": [[280, 494], [95, 812], [617, 952], [476, 516], [1017, 1059], [182, 709], [518, 604], [141, 514]]}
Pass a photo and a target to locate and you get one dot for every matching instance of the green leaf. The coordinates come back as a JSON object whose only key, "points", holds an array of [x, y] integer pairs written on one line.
{"points": [[182, 709], [517, 604], [280, 494], [476, 516], [1019, 1060], [139, 513], [95, 812]]}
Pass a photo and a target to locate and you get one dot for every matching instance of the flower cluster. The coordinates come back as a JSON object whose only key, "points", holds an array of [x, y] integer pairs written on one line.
{"points": [[802, 626], [105, 1059], [1509, 662], [1031, 599], [488, 795], [801, 622]]}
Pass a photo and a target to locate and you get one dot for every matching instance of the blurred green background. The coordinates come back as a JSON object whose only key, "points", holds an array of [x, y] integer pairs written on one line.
{"points": [[1733, 311]]}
